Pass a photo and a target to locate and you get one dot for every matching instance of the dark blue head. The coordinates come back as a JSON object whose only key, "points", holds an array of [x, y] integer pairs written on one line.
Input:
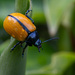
{"points": [[38, 44], [33, 39]]}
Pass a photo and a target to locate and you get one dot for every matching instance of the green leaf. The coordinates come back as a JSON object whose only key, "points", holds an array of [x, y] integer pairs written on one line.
{"points": [[60, 62], [6, 7], [3, 46], [22, 6], [54, 11], [12, 63]]}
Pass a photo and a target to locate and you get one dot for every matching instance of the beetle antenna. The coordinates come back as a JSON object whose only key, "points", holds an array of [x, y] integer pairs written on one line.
{"points": [[50, 39]]}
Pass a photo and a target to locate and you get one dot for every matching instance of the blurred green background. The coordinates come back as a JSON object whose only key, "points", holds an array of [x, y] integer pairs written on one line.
{"points": [[53, 18]]}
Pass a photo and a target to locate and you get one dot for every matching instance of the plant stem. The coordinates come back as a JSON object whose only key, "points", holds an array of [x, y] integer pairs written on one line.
{"points": [[21, 6], [12, 63]]}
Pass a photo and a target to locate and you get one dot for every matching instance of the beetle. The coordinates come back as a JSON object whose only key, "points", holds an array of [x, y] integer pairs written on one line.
{"points": [[22, 28]]}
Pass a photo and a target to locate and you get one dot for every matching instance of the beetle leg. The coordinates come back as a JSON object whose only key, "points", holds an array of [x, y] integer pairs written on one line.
{"points": [[28, 16], [39, 49], [22, 43], [24, 49], [28, 11], [15, 46]]}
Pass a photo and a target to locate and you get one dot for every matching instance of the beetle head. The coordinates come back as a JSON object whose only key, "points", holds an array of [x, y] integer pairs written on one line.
{"points": [[38, 44]]}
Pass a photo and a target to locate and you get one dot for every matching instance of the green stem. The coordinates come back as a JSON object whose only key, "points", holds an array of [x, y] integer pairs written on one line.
{"points": [[12, 63], [21, 6]]}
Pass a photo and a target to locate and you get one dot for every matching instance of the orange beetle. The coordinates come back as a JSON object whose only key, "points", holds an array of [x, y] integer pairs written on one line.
{"points": [[13, 25], [23, 29]]}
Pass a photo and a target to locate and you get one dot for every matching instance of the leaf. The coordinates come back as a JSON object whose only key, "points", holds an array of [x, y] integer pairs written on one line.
{"points": [[22, 6], [3, 46], [12, 63], [60, 62], [6, 7], [54, 11]]}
